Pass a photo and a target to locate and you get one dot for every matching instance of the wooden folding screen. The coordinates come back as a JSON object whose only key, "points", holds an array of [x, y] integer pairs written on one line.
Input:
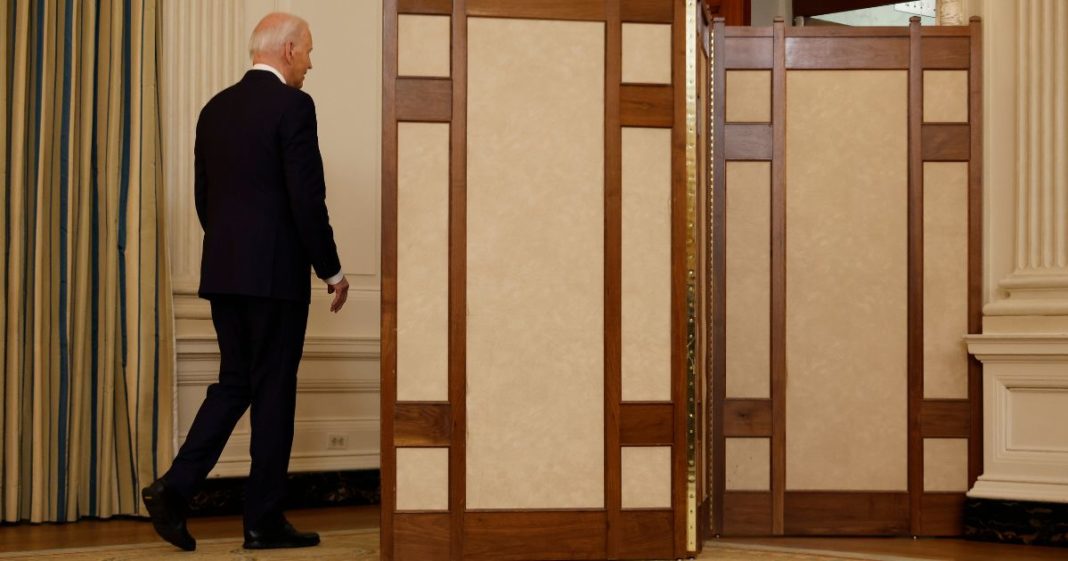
{"points": [[540, 386], [846, 193]]}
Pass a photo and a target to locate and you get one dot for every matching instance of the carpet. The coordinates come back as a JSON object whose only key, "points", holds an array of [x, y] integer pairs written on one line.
{"points": [[348, 545], [359, 545]]}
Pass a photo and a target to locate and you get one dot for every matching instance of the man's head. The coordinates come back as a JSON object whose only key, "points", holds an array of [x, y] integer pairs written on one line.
{"points": [[284, 41]]}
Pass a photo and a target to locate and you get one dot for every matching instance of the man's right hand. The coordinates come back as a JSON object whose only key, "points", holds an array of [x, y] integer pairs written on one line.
{"points": [[340, 292]]}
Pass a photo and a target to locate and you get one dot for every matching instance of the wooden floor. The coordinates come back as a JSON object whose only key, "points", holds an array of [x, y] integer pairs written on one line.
{"points": [[88, 533], [907, 548], [29, 537]]}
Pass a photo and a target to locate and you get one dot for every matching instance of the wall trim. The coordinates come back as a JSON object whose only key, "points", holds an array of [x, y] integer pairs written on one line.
{"points": [[304, 462], [328, 424], [1018, 490], [1017, 346], [205, 347], [1027, 307], [1019, 364]]}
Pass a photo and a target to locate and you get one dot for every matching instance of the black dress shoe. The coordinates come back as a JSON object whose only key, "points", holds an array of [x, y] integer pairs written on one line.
{"points": [[168, 511], [282, 536]]}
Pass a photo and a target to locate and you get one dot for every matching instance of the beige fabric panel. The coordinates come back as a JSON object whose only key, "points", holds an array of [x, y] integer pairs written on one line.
{"points": [[846, 259], [945, 465], [422, 262], [748, 96], [748, 277], [646, 476], [646, 265], [646, 53], [748, 464], [424, 45], [945, 96], [422, 479], [945, 279], [535, 264]]}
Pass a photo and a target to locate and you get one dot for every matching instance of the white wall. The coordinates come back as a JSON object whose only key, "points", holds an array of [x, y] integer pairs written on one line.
{"points": [[1024, 344], [205, 50]]}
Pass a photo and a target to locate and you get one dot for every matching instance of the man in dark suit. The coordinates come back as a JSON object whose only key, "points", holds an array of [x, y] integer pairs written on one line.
{"points": [[261, 199]]}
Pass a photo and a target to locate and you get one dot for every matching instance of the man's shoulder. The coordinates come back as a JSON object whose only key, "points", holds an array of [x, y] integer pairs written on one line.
{"points": [[263, 98], [246, 92], [222, 100], [299, 97]]}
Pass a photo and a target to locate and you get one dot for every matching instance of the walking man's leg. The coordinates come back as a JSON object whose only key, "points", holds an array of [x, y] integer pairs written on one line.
{"points": [[167, 498], [276, 349]]}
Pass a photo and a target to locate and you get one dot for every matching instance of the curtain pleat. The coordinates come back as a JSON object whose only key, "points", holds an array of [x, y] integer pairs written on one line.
{"points": [[85, 312]]}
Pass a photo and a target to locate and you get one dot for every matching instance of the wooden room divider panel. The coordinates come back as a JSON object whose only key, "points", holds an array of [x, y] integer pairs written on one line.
{"points": [[845, 250], [542, 386]]}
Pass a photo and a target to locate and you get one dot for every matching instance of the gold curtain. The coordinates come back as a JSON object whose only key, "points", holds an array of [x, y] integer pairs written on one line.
{"points": [[86, 326]]}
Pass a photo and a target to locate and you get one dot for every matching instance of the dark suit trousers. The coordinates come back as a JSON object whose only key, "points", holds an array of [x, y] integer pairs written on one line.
{"points": [[261, 341]]}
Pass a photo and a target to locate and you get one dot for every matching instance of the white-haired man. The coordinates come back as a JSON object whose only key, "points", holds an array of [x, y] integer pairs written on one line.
{"points": [[261, 199]]}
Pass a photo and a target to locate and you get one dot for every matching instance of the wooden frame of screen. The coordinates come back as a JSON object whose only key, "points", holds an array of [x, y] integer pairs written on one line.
{"points": [[587, 534], [778, 49]]}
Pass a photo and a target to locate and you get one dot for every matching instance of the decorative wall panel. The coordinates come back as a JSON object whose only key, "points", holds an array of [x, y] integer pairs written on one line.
{"points": [[646, 53], [945, 462], [748, 279], [945, 282], [422, 261], [847, 268], [646, 476], [423, 46], [422, 479], [535, 262], [646, 264], [945, 96], [748, 96], [748, 463]]}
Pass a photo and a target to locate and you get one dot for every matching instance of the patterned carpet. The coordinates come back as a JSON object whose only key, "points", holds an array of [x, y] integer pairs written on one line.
{"points": [[357, 545], [350, 545]]}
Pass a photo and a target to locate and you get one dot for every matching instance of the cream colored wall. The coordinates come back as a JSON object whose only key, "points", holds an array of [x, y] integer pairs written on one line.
{"points": [[205, 50]]}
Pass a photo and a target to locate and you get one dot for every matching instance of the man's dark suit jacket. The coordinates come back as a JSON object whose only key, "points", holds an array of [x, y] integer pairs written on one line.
{"points": [[260, 193]]}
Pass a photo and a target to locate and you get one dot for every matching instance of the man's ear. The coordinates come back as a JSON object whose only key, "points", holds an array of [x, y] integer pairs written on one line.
{"points": [[290, 46]]}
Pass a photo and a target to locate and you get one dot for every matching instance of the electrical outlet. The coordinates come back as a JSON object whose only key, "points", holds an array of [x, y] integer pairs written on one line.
{"points": [[337, 442]]}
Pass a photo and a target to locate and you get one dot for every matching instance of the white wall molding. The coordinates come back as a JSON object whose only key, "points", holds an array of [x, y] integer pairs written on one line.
{"points": [[1025, 415], [1011, 490], [190, 306], [1025, 175], [1017, 346], [310, 442], [304, 384], [206, 347], [1032, 293]]}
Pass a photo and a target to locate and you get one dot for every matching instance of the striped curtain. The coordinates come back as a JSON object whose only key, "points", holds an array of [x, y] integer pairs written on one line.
{"points": [[86, 327]]}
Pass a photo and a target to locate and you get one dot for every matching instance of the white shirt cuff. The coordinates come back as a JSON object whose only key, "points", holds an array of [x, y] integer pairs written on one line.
{"points": [[336, 278]]}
